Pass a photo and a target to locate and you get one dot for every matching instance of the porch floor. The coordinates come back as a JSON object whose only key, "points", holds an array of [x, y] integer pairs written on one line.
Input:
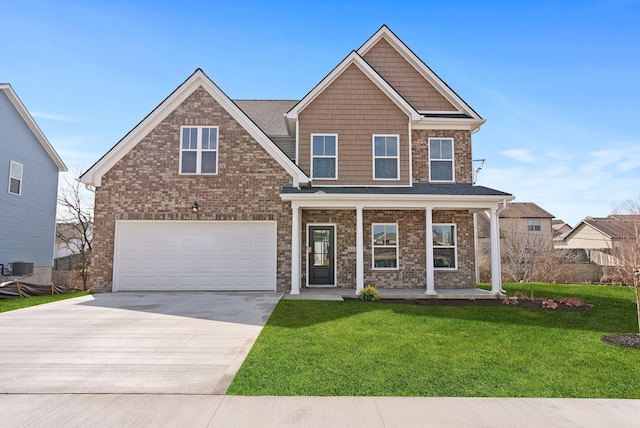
{"points": [[393, 293]]}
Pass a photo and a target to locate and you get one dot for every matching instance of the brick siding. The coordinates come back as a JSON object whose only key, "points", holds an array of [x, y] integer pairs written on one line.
{"points": [[145, 185], [412, 248], [462, 154]]}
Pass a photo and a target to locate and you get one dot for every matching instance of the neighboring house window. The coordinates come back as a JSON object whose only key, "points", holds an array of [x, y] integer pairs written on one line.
{"points": [[324, 156], [386, 162], [199, 150], [444, 246], [385, 246], [15, 178], [533, 225], [441, 159]]}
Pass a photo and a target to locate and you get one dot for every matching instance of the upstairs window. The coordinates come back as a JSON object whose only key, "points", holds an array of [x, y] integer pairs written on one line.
{"points": [[385, 246], [324, 156], [15, 178], [534, 225], [441, 159], [444, 246], [199, 150], [386, 162]]}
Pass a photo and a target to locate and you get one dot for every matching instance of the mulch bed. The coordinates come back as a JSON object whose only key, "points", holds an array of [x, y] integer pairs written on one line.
{"points": [[522, 303], [624, 340]]}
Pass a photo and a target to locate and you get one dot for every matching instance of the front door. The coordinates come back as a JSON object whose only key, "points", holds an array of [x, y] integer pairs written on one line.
{"points": [[321, 255]]}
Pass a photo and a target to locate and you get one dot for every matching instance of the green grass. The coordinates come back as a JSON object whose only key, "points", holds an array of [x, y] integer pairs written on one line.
{"points": [[372, 349], [24, 302]]}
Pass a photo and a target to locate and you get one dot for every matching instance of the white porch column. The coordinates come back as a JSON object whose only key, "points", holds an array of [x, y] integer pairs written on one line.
{"points": [[496, 280], [359, 251], [296, 225], [431, 286]]}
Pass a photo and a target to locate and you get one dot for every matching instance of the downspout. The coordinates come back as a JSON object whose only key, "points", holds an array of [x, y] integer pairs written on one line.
{"points": [[498, 211]]}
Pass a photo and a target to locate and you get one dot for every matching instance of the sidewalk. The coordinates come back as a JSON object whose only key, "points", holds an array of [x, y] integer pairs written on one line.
{"points": [[216, 411]]}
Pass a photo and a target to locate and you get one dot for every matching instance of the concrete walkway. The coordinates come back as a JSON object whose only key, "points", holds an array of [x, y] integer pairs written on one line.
{"points": [[215, 411], [166, 359], [131, 343]]}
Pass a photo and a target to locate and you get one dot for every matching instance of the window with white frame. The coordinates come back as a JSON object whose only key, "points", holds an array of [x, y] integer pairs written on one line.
{"points": [[444, 246], [385, 246], [441, 159], [534, 225], [199, 150], [386, 162], [15, 178], [324, 156]]}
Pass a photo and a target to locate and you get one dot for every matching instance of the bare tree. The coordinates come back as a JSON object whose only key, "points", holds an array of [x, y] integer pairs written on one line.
{"points": [[521, 250], [75, 220], [626, 247]]}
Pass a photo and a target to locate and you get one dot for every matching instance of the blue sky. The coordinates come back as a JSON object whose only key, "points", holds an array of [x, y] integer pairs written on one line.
{"points": [[557, 81]]}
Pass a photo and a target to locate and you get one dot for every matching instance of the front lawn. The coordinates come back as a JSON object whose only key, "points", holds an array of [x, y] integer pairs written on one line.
{"points": [[375, 349], [24, 302]]}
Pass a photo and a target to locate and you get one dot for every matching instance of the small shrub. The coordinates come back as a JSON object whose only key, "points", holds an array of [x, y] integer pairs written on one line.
{"points": [[549, 304], [369, 293], [510, 301], [521, 295], [576, 303]]}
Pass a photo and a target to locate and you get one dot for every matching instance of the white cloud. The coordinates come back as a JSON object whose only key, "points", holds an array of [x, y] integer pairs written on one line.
{"points": [[521, 155], [56, 117]]}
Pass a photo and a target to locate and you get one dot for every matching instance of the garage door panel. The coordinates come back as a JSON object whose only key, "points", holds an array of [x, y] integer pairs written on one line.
{"points": [[185, 255]]}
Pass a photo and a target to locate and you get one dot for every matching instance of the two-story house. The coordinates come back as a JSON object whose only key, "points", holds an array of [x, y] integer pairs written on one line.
{"points": [[367, 179], [29, 169]]}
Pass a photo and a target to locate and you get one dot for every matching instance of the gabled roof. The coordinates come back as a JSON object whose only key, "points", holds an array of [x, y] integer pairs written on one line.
{"points": [[611, 227], [385, 33], [268, 114], [524, 210], [198, 79], [352, 59], [33, 126]]}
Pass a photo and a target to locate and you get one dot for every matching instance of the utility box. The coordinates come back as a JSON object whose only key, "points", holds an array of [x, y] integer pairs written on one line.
{"points": [[21, 268]]}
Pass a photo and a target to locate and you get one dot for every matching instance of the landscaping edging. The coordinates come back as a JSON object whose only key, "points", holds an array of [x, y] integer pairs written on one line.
{"points": [[522, 303]]}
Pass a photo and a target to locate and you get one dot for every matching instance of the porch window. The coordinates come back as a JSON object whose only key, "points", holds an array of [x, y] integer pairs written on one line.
{"points": [[444, 246], [15, 178], [386, 162], [385, 246], [441, 159], [534, 225], [324, 156], [199, 150]]}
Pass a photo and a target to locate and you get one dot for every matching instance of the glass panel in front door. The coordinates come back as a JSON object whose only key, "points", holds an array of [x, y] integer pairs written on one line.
{"points": [[321, 247]]}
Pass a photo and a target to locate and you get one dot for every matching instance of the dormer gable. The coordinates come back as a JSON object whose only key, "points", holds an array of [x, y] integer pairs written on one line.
{"points": [[412, 78], [353, 59]]}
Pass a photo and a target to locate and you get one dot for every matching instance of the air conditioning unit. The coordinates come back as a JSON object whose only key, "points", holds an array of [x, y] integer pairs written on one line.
{"points": [[21, 268]]}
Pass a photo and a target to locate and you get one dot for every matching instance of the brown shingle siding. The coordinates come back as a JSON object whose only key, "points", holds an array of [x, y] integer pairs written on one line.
{"points": [[354, 108], [405, 78]]}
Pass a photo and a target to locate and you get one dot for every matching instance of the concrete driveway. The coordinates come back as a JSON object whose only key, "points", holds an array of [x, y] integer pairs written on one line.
{"points": [[131, 343]]}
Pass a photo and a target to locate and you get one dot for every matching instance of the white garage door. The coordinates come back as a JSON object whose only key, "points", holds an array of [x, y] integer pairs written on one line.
{"points": [[194, 255]]}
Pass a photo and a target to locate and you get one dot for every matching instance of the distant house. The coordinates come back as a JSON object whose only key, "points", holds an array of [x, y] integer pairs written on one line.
{"points": [[598, 237], [560, 228], [521, 222], [518, 219], [29, 169]]}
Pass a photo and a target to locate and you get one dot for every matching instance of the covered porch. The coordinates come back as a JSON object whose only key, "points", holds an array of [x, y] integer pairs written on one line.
{"points": [[434, 202]]}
